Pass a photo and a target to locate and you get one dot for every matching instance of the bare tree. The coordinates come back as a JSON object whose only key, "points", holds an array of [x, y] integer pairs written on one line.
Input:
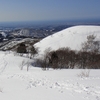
{"points": [[91, 44]]}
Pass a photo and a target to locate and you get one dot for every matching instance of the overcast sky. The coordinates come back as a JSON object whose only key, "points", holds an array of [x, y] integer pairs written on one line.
{"points": [[42, 10]]}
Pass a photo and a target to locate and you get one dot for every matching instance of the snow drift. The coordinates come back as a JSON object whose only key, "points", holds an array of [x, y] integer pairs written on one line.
{"points": [[72, 37]]}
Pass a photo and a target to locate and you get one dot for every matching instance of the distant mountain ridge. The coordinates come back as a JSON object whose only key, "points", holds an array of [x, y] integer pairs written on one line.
{"points": [[31, 32]]}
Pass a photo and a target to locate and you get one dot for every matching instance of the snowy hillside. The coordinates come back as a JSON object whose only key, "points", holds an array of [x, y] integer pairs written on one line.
{"points": [[71, 37], [36, 84], [3, 34], [14, 42]]}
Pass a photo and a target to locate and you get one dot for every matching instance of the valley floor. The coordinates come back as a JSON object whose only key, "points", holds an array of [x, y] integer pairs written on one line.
{"points": [[36, 84]]}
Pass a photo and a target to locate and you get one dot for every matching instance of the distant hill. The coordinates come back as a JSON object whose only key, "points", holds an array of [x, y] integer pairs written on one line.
{"points": [[72, 37]]}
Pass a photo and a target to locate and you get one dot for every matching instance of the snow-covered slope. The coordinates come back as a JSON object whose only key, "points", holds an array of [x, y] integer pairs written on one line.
{"points": [[36, 84], [3, 34], [71, 37], [14, 42]]}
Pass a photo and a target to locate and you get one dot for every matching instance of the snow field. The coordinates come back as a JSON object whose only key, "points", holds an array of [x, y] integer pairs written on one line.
{"points": [[45, 85]]}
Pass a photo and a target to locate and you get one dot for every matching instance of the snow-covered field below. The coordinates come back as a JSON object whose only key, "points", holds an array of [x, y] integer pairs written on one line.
{"points": [[36, 84]]}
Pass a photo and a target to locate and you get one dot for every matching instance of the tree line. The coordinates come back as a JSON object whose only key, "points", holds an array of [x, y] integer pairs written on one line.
{"points": [[87, 57]]}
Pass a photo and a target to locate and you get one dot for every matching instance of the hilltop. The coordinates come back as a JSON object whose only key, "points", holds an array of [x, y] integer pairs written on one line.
{"points": [[72, 37]]}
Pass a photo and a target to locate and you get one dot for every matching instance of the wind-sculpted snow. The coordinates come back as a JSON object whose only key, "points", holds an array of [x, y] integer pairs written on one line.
{"points": [[36, 84], [72, 37]]}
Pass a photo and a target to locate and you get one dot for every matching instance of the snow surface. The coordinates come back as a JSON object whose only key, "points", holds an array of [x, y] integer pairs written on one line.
{"points": [[36, 84], [72, 37]]}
